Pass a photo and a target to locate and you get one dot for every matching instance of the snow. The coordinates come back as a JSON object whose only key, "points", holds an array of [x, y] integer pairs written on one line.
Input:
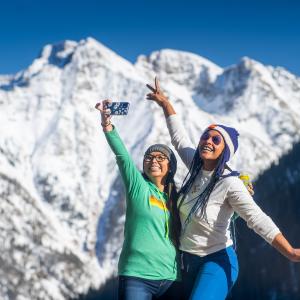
{"points": [[61, 197]]}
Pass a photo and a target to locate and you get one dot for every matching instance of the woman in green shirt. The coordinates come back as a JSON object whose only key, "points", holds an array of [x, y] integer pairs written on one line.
{"points": [[148, 261]]}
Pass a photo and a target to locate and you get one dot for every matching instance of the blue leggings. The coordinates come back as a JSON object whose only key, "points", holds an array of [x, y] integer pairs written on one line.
{"points": [[210, 277]]}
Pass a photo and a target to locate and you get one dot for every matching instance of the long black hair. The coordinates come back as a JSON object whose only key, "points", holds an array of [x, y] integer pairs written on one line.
{"points": [[175, 224], [202, 199]]}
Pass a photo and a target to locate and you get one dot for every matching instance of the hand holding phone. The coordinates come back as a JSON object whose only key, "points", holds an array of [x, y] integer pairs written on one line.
{"points": [[105, 114]]}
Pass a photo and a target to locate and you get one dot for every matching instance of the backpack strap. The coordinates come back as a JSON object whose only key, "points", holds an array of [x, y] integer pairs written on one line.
{"points": [[232, 173]]}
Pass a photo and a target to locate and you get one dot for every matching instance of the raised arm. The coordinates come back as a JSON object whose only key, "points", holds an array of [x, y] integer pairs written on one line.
{"points": [[256, 219], [131, 176], [179, 138], [162, 100]]}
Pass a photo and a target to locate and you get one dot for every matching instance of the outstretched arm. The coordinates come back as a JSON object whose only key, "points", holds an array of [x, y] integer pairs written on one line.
{"points": [[131, 176], [241, 201], [179, 138]]}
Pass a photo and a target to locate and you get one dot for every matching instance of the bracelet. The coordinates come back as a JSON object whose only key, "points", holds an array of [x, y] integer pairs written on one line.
{"points": [[106, 124]]}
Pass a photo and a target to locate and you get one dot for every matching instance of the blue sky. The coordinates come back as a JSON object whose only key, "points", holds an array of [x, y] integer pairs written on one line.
{"points": [[222, 31]]}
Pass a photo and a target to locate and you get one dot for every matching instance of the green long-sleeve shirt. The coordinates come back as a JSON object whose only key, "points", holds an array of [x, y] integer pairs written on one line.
{"points": [[147, 250]]}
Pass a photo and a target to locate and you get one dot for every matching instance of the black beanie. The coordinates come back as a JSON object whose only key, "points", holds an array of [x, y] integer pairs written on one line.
{"points": [[164, 149]]}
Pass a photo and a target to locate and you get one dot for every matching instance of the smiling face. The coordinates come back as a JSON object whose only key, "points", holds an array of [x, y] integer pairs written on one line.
{"points": [[211, 146], [156, 166]]}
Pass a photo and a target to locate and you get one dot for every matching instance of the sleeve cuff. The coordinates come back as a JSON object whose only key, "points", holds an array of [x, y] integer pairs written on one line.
{"points": [[271, 236], [112, 132]]}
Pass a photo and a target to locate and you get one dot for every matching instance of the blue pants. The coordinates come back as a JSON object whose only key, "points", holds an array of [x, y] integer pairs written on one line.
{"points": [[134, 288], [210, 277]]}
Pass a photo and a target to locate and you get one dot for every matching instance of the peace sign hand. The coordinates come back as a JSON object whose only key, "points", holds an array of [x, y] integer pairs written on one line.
{"points": [[156, 95]]}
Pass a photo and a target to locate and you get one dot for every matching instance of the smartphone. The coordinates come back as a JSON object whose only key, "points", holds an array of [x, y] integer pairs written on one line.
{"points": [[118, 108]]}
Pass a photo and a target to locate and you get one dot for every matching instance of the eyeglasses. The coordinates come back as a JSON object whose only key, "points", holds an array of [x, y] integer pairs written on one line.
{"points": [[216, 139], [159, 158]]}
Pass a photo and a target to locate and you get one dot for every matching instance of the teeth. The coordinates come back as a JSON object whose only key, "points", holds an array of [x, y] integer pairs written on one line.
{"points": [[206, 148], [154, 168]]}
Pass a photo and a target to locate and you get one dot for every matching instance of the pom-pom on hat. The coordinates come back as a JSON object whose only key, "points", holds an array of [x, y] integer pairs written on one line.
{"points": [[164, 149]]}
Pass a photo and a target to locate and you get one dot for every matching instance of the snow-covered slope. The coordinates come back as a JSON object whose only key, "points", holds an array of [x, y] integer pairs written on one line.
{"points": [[61, 197]]}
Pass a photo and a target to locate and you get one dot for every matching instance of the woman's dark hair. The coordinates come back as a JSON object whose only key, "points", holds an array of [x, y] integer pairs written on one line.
{"points": [[175, 224], [202, 199]]}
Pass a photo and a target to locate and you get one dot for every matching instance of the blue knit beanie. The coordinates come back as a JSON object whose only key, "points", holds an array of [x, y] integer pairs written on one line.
{"points": [[230, 136]]}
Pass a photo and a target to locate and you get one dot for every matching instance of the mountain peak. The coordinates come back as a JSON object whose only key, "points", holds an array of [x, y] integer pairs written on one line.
{"points": [[87, 52], [61, 53], [183, 67], [170, 60], [58, 54]]}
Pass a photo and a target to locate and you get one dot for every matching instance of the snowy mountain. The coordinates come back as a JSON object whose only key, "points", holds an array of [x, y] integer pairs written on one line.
{"points": [[62, 201]]}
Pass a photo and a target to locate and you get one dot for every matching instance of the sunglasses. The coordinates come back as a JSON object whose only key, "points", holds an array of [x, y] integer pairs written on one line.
{"points": [[216, 139], [159, 158]]}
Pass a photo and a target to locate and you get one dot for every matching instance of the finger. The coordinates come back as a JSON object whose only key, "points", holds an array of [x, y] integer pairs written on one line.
{"points": [[150, 88], [251, 191], [99, 106], [105, 102], [150, 96], [157, 87], [106, 112]]}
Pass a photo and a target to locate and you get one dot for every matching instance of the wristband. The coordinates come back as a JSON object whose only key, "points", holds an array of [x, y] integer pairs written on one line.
{"points": [[106, 124]]}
